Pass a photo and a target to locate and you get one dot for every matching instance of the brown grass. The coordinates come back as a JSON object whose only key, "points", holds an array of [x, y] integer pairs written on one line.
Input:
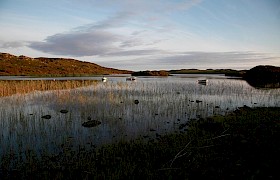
{"points": [[42, 66], [8, 87]]}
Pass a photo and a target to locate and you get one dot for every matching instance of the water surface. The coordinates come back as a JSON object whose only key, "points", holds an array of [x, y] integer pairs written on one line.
{"points": [[165, 105]]}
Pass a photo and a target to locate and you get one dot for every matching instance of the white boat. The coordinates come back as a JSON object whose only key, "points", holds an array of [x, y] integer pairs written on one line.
{"points": [[104, 79], [131, 78]]}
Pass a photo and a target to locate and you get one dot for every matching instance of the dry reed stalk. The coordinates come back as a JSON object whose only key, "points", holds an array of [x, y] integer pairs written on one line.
{"points": [[8, 88]]}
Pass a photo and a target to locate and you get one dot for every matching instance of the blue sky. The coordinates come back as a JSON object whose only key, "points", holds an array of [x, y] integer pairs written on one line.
{"points": [[145, 34]]}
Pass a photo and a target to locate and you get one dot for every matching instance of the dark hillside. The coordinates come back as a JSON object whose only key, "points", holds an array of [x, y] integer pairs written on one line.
{"points": [[264, 76], [42, 66]]}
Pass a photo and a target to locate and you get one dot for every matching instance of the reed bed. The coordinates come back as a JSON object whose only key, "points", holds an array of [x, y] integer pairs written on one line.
{"points": [[241, 145], [11, 87]]}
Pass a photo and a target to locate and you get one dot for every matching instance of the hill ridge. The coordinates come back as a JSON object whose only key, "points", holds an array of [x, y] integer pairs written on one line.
{"points": [[44, 66]]}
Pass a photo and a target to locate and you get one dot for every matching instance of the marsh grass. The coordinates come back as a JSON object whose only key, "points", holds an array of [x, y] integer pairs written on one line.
{"points": [[10, 87], [241, 145]]}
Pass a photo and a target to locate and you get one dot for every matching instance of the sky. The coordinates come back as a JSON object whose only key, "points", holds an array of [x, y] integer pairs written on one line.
{"points": [[145, 34]]}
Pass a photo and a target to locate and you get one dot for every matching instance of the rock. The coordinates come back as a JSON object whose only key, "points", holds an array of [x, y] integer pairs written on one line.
{"points": [[63, 111], [46, 117], [91, 123]]}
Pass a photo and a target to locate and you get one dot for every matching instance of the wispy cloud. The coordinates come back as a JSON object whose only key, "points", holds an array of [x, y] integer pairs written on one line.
{"points": [[119, 19], [78, 43], [147, 5], [13, 44], [200, 60], [143, 52]]}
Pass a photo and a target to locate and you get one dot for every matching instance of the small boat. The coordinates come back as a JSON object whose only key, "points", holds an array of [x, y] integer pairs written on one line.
{"points": [[202, 81], [104, 79], [131, 78]]}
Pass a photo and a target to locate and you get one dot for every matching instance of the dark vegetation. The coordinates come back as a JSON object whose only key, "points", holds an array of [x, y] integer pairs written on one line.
{"points": [[264, 76], [227, 72], [26, 66], [150, 73], [241, 145]]}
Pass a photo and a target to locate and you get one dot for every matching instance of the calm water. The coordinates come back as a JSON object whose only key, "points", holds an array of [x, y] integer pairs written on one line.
{"points": [[165, 104]]}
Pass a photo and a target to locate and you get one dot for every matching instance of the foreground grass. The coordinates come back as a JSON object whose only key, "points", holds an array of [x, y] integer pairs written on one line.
{"points": [[241, 145], [10, 87]]}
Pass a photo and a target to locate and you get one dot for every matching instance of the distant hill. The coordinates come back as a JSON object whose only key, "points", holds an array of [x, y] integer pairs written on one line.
{"points": [[227, 72], [42, 66], [150, 73]]}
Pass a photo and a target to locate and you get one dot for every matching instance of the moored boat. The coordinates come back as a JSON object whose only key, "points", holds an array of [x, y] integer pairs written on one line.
{"points": [[104, 79], [132, 78]]}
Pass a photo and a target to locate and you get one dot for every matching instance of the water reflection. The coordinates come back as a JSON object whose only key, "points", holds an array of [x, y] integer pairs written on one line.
{"points": [[163, 105], [268, 83]]}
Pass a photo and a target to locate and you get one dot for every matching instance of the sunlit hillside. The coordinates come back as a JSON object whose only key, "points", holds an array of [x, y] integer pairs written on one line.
{"points": [[42, 66]]}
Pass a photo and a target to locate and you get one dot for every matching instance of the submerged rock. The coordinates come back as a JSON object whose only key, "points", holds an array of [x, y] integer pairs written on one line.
{"points": [[91, 123], [46, 117], [63, 111], [198, 101]]}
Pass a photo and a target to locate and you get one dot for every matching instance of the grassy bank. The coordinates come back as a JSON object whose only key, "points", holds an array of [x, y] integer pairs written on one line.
{"points": [[8, 88], [43, 66], [242, 145]]}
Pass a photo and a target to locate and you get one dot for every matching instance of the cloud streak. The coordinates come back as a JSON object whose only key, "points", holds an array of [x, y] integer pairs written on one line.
{"points": [[14, 44], [117, 20], [199, 60], [78, 43]]}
